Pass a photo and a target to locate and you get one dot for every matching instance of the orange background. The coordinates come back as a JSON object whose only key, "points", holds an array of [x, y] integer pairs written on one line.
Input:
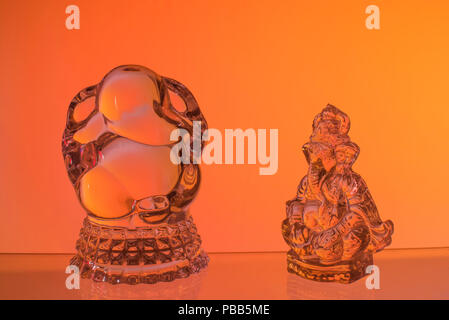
{"points": [[250, 64]]}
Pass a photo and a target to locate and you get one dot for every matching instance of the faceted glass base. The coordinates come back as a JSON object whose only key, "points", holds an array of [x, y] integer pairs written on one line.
{"points": [[342, 272], [142, 255]]}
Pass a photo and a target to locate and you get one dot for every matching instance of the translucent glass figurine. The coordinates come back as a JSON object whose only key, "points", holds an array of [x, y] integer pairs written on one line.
{"points": [[116, 147], [332, 225]]}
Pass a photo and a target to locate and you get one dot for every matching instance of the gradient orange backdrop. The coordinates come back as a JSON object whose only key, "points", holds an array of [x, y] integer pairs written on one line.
{"points": [[250, 64]]}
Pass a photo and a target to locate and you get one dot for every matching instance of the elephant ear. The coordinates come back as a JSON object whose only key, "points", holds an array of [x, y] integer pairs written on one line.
{"points": [[349, 148], [78, 157]]}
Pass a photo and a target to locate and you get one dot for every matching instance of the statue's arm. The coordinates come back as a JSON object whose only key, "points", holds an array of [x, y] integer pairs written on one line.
{"points": [[78, 158], [295, 206]]}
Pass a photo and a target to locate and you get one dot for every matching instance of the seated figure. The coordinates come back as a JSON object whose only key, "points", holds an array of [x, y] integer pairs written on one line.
{"points": [[116, 147], [332, 225]]}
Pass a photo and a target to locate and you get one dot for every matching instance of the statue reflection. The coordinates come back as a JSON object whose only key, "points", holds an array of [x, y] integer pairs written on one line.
{"points": [[179, 289], [299, 288]]}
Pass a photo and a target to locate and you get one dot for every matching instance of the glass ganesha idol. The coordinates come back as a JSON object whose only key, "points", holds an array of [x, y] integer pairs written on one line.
{"points": [[116, 148], [332, 225]]}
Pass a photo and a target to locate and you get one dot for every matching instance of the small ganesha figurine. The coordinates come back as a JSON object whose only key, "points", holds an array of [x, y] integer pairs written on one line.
{"points": [[332, 225], [116, 147]]}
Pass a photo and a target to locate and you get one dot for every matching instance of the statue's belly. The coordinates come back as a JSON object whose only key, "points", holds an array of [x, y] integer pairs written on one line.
{"points": [[311, 215], [127, 171]]}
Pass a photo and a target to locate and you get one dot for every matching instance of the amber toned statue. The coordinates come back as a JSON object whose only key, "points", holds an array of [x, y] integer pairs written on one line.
{"points": [[116, 147], [332, 225]]}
